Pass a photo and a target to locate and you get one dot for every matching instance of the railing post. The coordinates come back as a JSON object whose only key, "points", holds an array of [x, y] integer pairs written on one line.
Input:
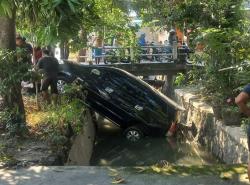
{"points": [[167, 88], [174, 50]]}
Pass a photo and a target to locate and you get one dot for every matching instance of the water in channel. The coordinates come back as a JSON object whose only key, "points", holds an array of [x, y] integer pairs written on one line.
{"points": [[112, 149]]}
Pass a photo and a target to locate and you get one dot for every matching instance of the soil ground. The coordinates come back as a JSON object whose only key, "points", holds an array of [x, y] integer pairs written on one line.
{"points": [[30, 150]]}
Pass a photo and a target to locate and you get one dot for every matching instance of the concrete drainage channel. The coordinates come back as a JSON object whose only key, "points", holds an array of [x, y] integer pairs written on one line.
{"points": [[109, 147], [213, 142], [112, 149]]}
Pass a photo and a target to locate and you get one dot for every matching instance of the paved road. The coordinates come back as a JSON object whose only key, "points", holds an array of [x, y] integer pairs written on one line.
{"points": [[101, 176]]}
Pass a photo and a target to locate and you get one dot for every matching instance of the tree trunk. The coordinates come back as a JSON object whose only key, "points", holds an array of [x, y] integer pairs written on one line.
{"points": [[7, 33], [12, 99]]}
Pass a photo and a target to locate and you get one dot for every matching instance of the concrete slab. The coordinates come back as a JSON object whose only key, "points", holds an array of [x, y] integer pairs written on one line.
{"points": [[102, 176]]}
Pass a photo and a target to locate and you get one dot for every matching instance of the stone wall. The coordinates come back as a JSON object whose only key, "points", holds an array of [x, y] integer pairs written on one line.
{"points": [[227, 143], [82, 148]]}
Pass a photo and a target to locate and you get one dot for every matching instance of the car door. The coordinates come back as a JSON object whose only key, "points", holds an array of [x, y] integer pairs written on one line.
{"points": [[114, 85], [130, 95], [100, 96], [141, 100]]}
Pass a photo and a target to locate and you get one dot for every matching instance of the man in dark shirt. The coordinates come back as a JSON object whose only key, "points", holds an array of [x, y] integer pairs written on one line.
{"points": [[24, 50], [49, 67], [28, 47], [242, 100]]}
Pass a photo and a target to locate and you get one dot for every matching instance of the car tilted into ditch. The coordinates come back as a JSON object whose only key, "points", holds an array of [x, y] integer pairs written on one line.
{"points": [[123, 98]]}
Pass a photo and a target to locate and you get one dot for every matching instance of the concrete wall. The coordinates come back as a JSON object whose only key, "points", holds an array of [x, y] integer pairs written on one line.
{"points": [[82, 148], [227, 143]]}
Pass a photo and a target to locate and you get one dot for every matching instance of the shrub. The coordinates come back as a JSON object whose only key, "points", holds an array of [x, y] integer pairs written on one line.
{"points": [[67, 118], [13, 69]]}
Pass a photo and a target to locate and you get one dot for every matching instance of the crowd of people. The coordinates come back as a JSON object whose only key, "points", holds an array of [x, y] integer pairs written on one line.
{"points": [[151, 51], [159, 51]]}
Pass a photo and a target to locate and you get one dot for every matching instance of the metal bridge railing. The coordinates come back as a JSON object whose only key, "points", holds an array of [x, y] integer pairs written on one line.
{"points": [[158, 55]]}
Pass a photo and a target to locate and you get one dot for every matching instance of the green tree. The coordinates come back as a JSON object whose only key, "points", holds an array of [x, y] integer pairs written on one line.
{"points": [[39, 13], [219, 24], [47, 22], [12, 97]]}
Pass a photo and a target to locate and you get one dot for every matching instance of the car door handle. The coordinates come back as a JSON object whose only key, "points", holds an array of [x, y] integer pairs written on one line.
{"points": [[109, 90], [138, 107], [95, 72], [104, 94]]}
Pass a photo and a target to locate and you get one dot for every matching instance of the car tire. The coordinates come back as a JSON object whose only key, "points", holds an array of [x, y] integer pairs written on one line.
{"points": [[61, 82], [133, 134]]}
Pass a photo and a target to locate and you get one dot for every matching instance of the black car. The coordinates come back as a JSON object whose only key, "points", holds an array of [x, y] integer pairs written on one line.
{"points": [[123, 98]]}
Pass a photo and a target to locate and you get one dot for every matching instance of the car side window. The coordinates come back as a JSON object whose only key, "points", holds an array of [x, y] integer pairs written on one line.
{"points": [[123, 83]]}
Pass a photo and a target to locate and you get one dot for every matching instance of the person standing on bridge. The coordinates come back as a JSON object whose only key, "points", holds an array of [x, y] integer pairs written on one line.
{"points": [[242, 100], [142, 40], [97, 50], [97, 54]]}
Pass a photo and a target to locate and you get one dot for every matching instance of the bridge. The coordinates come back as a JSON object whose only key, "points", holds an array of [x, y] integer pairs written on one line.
{"points": [[152, 68], [161, 63]]}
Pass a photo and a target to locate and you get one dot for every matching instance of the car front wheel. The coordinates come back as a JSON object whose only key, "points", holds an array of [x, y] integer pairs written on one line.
{"points": [[61, 82], [133, 134]]}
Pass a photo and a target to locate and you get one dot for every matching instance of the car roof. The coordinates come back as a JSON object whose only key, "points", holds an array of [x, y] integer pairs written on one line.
{"points": [[166, 99]]}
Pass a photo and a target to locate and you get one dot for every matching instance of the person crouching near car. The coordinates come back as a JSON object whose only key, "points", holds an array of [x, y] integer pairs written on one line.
{"points": [[49, 67], [242, 100]]}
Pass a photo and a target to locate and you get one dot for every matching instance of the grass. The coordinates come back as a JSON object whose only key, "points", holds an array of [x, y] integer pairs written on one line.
{"points": [[35, 117], [5, 158]]}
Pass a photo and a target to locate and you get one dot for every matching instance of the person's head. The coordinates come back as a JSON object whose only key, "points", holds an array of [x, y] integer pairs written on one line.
{"points": [[45, 52], [19, 40], [172, 32], [143, 35]]}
